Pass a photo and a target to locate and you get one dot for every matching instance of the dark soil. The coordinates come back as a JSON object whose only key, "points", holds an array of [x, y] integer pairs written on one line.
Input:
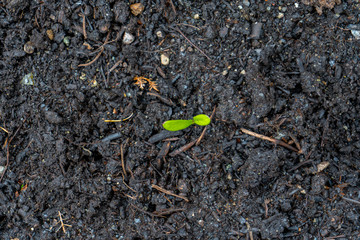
{"points": [[277, 68]]}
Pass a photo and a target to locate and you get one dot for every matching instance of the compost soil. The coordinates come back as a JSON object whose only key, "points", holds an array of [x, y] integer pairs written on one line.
{"points": [[287, 70]]}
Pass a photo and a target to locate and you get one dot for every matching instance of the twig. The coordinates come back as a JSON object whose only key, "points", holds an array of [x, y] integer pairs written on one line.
{"points": [[115, 65], [122, 159], [168, 192], [300, 164], [201, 51], [351, 200], [4, 130], [266, 202], [203, 132], [63, 224], [8, 149], [160, 50], [128, 185], [297, 144], [274, 141], [89, 63], [141, 210], [249, 231], [164, 100], [334, 237], [182, 149], [84, 26], [102, 48], [173, 6]]}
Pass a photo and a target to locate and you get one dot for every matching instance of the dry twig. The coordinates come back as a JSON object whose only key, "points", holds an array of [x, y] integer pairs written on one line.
{"points": [[102, 48], [201, 51], [8, 149], [168, 192], [274, 141], [182, 149], [122, 159], [63, 225], [84, 25]]}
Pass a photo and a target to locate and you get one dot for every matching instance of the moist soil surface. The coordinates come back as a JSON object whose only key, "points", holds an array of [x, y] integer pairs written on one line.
{"points": [[285, 70]]}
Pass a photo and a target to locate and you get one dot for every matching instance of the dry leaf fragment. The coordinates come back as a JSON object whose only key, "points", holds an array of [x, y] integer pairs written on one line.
{"points": [[153, 85], [140, 81]]}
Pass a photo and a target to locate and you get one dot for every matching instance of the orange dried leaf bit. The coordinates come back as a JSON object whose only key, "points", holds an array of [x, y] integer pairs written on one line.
{"points": [[153, 85], [140, 81]]}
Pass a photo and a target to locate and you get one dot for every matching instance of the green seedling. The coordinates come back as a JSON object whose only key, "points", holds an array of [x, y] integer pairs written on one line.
{"points": [[177, 125]]}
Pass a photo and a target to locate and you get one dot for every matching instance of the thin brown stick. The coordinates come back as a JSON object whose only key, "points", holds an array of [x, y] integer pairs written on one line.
{"points": [[168, 192], [164, 100], [102, 48], [201, 51], [266, 202], [115, 65], [8, 149], [182, 149], [122, 159], [335, 237], [203, 132], [143, 211], [128, 185], [297, 144], [173, 6], [300, 164], [84, 25], [351, 200], [89, 63], [274, 141]]}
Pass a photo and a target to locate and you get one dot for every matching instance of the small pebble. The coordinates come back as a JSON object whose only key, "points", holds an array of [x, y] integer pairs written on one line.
{"points": [[321, 166], [66, 41], [356, 34], [29, 47], [137, 8], [28, 79], [246, 3], [196, 16], [165, 60], [159, 34], [128, 38], [50, 34]]}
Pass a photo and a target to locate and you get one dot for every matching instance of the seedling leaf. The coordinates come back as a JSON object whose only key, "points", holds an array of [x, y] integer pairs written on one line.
{"points": [[177, 125], [202, 120]]}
